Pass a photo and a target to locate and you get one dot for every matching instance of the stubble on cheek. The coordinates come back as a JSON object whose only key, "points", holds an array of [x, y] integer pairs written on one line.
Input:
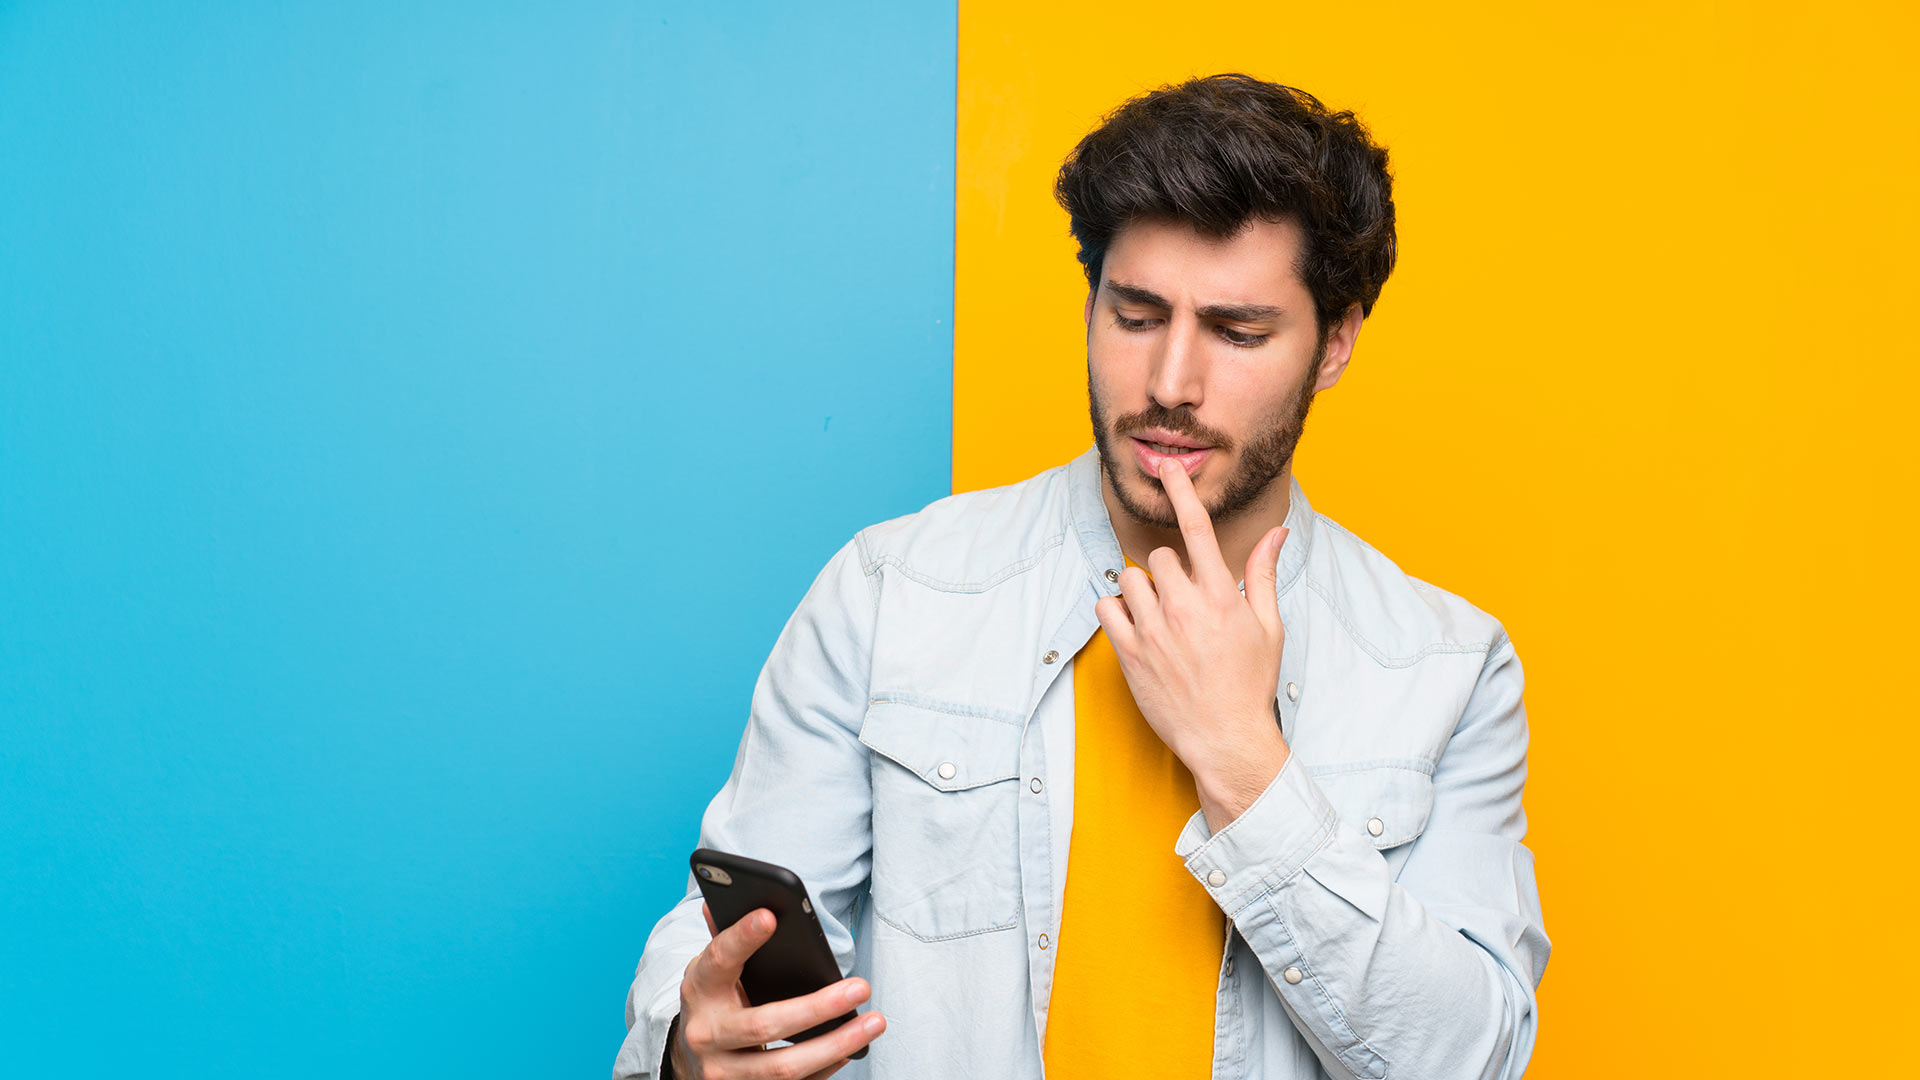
{"points": [[1252, 468]]}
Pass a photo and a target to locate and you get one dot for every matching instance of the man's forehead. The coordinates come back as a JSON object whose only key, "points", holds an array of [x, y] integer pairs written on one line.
{"points": [[1174, 261]]}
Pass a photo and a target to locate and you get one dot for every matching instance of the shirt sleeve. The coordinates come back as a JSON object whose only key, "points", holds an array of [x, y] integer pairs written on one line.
{"points": [[799, 794], [1432, 974]]}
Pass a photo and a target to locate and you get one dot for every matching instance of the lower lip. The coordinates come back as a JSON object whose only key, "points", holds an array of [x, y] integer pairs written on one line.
{"points": [[1151, 459]]}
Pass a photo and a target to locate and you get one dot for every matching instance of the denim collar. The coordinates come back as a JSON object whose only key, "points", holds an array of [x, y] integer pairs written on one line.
{"points": [[1101, 548]]}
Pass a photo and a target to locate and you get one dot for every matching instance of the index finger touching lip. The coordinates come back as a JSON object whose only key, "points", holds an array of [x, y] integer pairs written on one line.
{"points": [[1179, 487], [1203, 549]]}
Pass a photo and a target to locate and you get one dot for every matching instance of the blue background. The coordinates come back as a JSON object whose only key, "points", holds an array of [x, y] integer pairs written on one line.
{"points": [[415, 426]]}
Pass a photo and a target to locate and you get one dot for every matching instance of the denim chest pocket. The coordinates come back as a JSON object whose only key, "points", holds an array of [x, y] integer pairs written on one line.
{"points": [[1387, 804], [946, 858]]}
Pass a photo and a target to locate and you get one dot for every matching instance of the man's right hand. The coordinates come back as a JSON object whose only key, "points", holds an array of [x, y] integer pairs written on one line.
{"points": [[720, 1037]]}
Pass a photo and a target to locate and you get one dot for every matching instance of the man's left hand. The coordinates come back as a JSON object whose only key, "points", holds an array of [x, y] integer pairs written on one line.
{"points": [[1203, 660]]}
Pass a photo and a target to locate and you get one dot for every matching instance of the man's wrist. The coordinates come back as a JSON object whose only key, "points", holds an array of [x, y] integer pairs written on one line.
{"points": [[1236, 781]]}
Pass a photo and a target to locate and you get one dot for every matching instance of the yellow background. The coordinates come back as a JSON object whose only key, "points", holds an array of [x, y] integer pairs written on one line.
{"points": [[1643, 386]]}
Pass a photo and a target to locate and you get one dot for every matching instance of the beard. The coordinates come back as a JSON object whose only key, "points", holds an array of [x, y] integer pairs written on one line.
{"points": [[1266, 454]]}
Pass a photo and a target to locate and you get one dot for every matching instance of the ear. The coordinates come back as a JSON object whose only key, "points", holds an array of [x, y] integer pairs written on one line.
{"points": [[1339, 349], [1087, 315]]}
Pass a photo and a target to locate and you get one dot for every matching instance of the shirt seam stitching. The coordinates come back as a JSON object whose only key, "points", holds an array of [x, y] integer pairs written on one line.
{"points": [[998, 577], [1380, 657], [1277, 904], [947, 937]]}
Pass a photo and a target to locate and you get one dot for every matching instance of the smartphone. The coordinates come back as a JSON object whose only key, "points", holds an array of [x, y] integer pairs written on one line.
{"points": [[797, 959]]}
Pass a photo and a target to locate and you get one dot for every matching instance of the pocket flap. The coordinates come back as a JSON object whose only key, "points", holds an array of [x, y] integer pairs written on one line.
{"points": [[948, 750], [1399, 798]]}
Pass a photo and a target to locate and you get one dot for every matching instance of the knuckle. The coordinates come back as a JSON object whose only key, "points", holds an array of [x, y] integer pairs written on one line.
{"points": [[829, 1002], [785, 1069], [852, 1037], [761, 1028], [712, 1070], [698, 1031]]}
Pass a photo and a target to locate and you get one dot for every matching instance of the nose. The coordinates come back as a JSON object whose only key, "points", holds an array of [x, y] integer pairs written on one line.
{"points": [[1178, 366]]}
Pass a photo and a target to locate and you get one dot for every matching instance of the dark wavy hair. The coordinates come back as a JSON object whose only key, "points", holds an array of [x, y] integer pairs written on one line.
{"points": [[1217, 152]]}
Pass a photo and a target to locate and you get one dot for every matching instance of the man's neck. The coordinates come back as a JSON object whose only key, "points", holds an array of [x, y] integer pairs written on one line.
{"points": [[1237, 537]]}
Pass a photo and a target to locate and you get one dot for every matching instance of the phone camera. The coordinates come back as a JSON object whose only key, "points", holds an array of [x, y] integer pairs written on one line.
{"points": [[706, 873]]}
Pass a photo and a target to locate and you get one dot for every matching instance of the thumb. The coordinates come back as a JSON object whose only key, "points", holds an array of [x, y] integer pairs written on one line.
{"points": [[1260, 577]]}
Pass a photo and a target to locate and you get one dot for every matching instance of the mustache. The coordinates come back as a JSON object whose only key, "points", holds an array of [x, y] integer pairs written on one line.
{"points": [[1177, 421]]}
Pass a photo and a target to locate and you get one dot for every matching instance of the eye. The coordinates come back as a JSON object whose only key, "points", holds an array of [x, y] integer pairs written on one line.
{"points": [[1136, 325], [1244, 341]]}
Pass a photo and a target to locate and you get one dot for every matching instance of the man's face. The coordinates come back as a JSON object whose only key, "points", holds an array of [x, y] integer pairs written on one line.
{"points": [[1206, 351]]}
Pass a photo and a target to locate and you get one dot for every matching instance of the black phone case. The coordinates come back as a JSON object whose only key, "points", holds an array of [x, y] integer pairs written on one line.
{"points": [[797, 959]]}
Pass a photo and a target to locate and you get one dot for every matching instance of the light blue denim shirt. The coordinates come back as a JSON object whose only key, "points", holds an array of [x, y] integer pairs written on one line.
{"points": [[909, 753]]}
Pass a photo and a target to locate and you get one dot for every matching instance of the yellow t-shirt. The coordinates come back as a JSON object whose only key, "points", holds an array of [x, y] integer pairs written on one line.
{"points": [[1140, 941]]}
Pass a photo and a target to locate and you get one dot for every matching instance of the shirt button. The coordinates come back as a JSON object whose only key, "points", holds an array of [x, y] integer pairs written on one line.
{"points": [[1217, 878], [1375, 826], [1043, 942], [1293, 691], [1113, 575], [1292, 975], [947, 770], [1035, 785], [1050, 657], [1228, 970]]}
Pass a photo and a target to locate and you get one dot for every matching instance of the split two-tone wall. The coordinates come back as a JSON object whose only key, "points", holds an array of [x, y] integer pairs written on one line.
{"points": [[416, 425]]}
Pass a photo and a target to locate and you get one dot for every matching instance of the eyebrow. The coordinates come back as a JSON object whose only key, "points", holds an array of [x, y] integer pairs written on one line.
{"points": [[1135, 294]]}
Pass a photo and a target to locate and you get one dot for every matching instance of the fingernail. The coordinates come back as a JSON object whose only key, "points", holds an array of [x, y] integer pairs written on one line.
{"points": [[873, 1022], [765, 921], [854, 993]]}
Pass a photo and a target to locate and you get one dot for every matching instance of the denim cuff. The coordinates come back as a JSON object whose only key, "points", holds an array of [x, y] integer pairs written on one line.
{"points": [[1265, 845]]}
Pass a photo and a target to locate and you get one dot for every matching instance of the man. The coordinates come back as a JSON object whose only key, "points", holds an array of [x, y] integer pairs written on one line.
{"points": [[1141, 766]]}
